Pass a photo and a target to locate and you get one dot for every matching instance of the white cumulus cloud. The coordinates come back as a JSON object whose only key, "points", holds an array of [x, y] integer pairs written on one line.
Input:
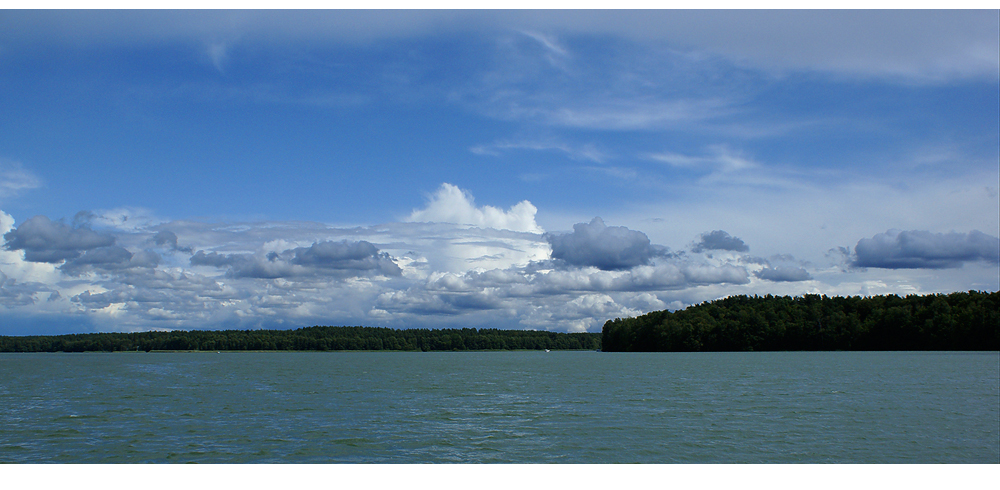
{"points": [[453, 205]]}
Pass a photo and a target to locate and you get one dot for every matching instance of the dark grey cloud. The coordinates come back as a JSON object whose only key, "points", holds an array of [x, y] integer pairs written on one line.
{"points": [[13, 293], [248, 265], [97, 301], [111, 259], [342, 258], [267, 267], [103, 256], [44, 240], [424, 302], [166, 237], [418, 302], [476, 301], [605, 247], [916, 249], [344, 255], [783, 274], [719, 240]]}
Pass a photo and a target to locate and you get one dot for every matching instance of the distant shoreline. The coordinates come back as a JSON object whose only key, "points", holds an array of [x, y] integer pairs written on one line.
{"points": [[167, 351], [309, 339]]}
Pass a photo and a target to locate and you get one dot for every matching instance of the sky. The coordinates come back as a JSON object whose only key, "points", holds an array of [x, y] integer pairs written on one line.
{"points": [[545, 170]]}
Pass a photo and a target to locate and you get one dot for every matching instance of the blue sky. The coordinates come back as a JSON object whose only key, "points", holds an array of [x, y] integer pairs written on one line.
{"points": [[518, 169]]}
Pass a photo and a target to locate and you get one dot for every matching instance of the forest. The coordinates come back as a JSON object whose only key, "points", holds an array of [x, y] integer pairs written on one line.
{"points": [[957, 321], [307, 339]]}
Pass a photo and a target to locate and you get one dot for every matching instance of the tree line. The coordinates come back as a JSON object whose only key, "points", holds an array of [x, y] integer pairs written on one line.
{"points": [[957, 321], [307, 339]]}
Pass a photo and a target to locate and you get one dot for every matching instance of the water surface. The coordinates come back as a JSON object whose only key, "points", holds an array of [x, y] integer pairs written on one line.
{"points": [[503, 407]]}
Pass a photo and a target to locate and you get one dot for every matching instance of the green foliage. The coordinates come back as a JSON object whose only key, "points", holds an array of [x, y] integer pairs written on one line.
{"points": [[957, 321], [311, 339]]}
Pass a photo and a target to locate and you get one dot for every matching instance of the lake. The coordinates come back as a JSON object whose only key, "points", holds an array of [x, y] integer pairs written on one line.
{"points": [[501, 407]]}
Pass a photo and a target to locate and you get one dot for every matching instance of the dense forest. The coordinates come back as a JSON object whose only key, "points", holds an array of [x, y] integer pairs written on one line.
{"points": [[957, 321], [311, 338]]}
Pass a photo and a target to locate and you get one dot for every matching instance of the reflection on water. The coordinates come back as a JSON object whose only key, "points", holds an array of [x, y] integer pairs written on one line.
{"points": [[510, 407]]}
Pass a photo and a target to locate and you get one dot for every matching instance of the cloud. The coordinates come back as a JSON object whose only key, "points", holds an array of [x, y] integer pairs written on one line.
{"points": [[280, 274], [124, 219], [269, 266], [918, 249], [721, 159], [783, 274], [44, 240], [15, 179], [585, 152], [217, 53], [13, 293], [721, 164], [724, 274], [719, 240], [531, 282], [418, 247], [424, 302], [453, 205], [548, 43], [555, 54], [344, 255], [618, 86], [916, 45], [422, 248], [614, 172], [622, 113], [538, 296], [216, 259], [110, 259], [480, 272], [605, 247], [343, 259], [930, 45], [165, 237]]}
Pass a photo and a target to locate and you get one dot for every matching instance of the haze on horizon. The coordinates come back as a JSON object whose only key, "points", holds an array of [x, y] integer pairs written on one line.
{"points": [[546, 170]]}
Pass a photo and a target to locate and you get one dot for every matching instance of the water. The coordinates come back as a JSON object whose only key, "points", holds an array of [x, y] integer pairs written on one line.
{"points": [[501, 407]]}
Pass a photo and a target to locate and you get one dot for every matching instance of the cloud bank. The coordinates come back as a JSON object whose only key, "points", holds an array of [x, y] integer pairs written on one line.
{"points": [[452, 263], [916, 249]]}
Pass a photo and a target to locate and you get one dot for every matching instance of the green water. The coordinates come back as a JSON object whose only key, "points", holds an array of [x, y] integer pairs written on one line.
{"points": [[503, 407]]}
